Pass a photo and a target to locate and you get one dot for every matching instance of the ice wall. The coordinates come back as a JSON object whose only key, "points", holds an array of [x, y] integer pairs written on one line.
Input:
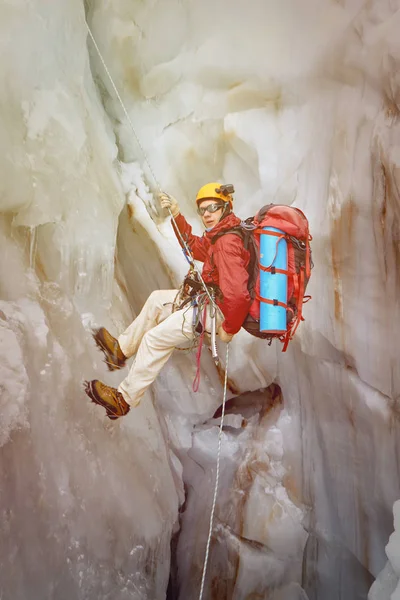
{"points": [[293, 102]]}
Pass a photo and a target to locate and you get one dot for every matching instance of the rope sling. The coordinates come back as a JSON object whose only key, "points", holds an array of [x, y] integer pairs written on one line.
{"points": [[213, 309]]}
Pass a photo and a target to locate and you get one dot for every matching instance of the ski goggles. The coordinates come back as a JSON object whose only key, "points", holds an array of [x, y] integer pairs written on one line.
{"points": [[211, 208]]}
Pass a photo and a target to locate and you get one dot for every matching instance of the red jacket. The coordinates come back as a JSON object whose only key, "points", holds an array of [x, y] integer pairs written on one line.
{"points": [[225, 264]]}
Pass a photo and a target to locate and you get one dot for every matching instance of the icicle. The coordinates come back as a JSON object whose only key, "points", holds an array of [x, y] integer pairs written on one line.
{"points": [[32, 247]]}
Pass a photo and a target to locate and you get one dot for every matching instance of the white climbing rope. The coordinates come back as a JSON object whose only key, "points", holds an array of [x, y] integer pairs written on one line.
{"points": [[146, 158], [203, 578]]}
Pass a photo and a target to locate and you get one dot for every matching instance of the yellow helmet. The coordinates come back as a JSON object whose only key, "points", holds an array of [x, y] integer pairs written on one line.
{"points": [[215, 190]]}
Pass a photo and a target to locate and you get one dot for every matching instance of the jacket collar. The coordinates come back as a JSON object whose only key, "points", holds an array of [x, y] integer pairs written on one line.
{"points": [[228, 223]]}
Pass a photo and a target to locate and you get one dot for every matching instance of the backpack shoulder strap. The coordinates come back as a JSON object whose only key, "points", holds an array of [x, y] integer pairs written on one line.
{"points": [[235, 230]]}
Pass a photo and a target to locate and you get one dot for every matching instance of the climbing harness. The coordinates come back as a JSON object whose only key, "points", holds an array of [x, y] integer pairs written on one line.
{"points": [[203, 578], [191, 292]]}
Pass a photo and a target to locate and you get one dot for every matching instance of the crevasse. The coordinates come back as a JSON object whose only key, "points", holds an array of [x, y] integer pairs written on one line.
{"points": [[293, 102]]}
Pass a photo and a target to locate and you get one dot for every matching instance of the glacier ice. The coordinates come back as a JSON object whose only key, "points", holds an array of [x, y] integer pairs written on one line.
{"points": [[293, 102]]}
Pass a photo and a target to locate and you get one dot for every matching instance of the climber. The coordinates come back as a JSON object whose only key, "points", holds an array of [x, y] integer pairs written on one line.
{"points": [[170, 318]]}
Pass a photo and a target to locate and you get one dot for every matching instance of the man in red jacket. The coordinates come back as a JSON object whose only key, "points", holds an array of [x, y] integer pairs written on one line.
{"points": [[166, 320]]}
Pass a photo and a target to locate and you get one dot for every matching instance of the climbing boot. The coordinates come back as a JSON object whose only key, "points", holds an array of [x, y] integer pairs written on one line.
{"points": [[107, 397], [113, 355]]}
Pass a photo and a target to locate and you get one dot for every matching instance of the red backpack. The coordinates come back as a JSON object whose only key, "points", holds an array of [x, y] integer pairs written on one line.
{"points": [[295, 225]]}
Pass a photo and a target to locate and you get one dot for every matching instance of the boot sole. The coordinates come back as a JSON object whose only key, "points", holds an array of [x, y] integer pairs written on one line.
{"points": [[88, 387]]}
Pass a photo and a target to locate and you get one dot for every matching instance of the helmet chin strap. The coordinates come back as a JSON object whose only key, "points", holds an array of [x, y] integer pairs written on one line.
{"points": [[225, 212]]}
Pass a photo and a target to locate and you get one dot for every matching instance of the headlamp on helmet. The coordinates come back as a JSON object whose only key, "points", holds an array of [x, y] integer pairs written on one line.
{"points": [[226, 190]]}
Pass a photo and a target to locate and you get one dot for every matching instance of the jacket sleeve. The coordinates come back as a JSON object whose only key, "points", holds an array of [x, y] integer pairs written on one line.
{"points": [[231, 260], [195, 243]]}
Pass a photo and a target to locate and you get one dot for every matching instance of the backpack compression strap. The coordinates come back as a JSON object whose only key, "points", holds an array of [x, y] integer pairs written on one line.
{"points": [[274, 302], [274, 270]]}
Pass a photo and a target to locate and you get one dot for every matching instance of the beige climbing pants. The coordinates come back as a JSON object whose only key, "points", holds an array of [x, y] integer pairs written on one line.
{"points": [[153, 336]]}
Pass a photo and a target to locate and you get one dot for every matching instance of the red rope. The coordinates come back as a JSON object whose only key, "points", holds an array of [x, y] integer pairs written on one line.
{"points": [[196, 380]]}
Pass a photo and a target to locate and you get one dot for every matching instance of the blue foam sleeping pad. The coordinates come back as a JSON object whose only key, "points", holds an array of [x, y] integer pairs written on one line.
{"points": [[273, 318]]}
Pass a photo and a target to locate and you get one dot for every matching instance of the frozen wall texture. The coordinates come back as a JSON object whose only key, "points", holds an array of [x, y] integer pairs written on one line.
{"points": [[295, 102]]}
